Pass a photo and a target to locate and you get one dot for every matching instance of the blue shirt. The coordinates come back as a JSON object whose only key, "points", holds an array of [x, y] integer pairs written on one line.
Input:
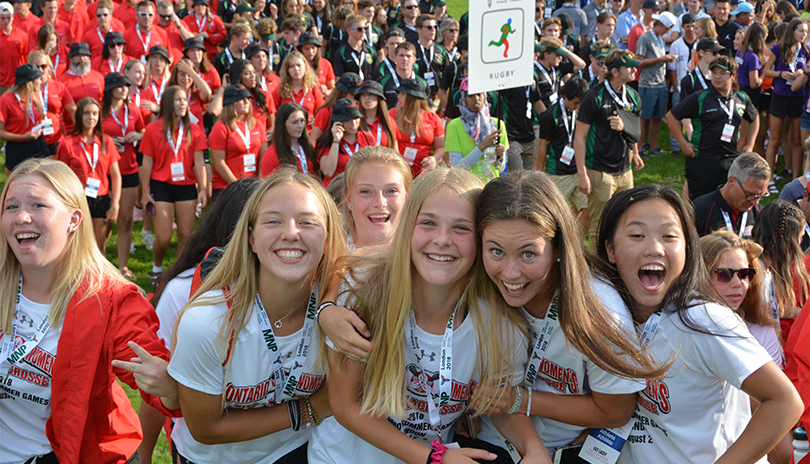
{"points": [[625, 22]]}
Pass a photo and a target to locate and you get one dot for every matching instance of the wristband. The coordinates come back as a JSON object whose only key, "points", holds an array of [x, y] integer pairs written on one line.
{"points": [[295, 416], [436, 456], [529, 404], [321, 307], [518, 400]]}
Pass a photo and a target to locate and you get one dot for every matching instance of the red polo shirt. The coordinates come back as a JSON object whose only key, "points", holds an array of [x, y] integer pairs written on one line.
{"points": [[15, 119], [139, 45], [125, 13], [25, 24], [431, 127], [270, 163], [90, 85], [76, 21], [176, 43], [309, 99], [73, 152], [132, 123], [215, 29], [345, 152], [58, 99], [105, 66], [155, 145], [15, 53], [225, 139], [60, 60], [62, 31], [95, 38]]}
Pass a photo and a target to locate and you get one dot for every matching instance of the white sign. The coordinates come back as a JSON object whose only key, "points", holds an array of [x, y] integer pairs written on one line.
{"points": [[501, 44]]}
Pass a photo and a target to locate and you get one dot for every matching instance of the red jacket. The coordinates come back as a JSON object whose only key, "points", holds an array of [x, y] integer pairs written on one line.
{"points": [[92, 419]]}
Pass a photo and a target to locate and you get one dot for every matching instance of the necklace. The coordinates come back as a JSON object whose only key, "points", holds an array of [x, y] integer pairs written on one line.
{"points": [[278, 323]]}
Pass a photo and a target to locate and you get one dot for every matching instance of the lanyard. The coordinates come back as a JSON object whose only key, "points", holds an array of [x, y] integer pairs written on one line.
{"points": [[701, 79], [650, 328], [379, 131], [137, 97], [563, 112], [591, 75], [245, 136], [155, 90], [538, 30], [94, 160], [623, 102], [730, 226], [30, 108], [176, 148], [201, 26], [125, 125], [43, 95], [302, 158], [292, 97], [56, 63], [285, 384], [445, 369], [320, 23], [100, 36], [424, 55], [263, 83], [540, 347], [228, 54], [148, 39], [391, 70], [359, 62], [552, 82], [120, 64], [14, 356], [348, 150], [730, 109]]}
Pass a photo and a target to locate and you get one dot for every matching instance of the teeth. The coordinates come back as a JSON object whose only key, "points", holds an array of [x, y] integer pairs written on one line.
{"points": [[652, 267], [513, 287], [440, 258], [25, 236], [290, 254], [378, 216]]}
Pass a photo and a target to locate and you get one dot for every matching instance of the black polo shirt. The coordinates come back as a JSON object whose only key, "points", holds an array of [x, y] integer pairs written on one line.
{"points": [[708, 112], [517, 101], [390, 84], [347, 59], [571, 43], [606, 150], [589, 76], [335, 38], [431, 60], [709, 209], [553, 128], [384, 69], [548, 84], [410, 32], [691, 83], [725, 35], [223, 60]]}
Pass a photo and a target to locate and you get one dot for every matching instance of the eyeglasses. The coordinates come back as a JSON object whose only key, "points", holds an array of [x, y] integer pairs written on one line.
{"points": [[538, 10], [102, 15], [429, 27], [409, 7], [144, 14], [750, 196], [724, 275], [359, 28]]}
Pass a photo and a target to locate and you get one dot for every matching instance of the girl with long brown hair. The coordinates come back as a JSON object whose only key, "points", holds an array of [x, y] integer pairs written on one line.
{"points": [[419, 131], [299, 84], [376, 120]]}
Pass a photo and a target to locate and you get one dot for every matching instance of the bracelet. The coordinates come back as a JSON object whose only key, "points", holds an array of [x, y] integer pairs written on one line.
{"points": [[435, 457], [295, 414], [304, 405], [323, 305], [313, 418], [529, 404], [518, 400]]}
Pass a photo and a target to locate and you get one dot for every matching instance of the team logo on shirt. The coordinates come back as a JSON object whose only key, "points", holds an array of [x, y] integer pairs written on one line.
{"points": [[368, 59], [417, 396], [38, 366], [655, 398], [740, 110], [557, 377], [263, 393]]}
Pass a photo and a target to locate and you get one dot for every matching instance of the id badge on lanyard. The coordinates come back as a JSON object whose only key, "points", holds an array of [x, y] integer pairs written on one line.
{"points": [[410, 152], [568, 153], [93, 184], [178, 169], [728, 129], [11, 355]]}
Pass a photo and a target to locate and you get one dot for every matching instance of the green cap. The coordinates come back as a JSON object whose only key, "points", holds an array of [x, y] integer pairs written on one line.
{"points": [[558, 50], [600, 52], [628, 60], [439, 3]]}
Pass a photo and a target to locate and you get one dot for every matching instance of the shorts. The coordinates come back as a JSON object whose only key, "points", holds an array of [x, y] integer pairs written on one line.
{"points": [[52, 148], [805, 121], [170, 193], [704, 175], [569, 186], [17, 152], [765, 102], [99, 206], [654, 102], [753, 95], [130, 180], [786, 107]]}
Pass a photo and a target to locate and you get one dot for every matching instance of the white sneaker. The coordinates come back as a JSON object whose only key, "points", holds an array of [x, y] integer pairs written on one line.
{"points": [[131, 247], [148, 239], [772, 188]]}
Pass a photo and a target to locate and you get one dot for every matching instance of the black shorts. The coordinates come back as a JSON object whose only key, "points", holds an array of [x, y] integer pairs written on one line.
{"points": [[52, 148], [130, 180], [169, 193], [790, 107], [765, 102], [752, 94], [99, 206], [17, 152], [704, 175]]}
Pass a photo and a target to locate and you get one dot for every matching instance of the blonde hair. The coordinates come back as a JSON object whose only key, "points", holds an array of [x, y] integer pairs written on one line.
{"points": [[229, 116], [82, 264], [383, 157], [383, 291], [409, 117], [237, 272], [26, 94], [285, 84]]}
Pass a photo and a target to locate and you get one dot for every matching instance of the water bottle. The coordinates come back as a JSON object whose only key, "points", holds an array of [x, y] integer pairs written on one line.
{"points": [[801, 448]]}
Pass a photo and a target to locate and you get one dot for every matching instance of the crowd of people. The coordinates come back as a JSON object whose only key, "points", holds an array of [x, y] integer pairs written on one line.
{"points": [[360, 215]]}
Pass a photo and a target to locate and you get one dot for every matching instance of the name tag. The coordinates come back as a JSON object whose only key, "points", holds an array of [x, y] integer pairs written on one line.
{"points": [[410, 155], [47, 126], [178, 172], [430, 79], [604, 445], [91, 189], [122, 145], [567, 155], [250, 162], [553, 97], [728, 132]]}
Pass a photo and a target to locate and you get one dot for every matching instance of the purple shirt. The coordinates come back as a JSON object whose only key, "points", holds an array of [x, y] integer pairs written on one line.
{"points": [[780, 86], [750, 63]]}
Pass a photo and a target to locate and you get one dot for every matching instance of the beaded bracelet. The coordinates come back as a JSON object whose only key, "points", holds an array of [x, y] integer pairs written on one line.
{"points": [[436, 456], [518, 400], [313, 418]]}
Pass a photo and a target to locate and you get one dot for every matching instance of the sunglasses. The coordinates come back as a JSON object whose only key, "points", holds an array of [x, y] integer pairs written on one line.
{"points": [[538, 10], [409, 7], [431, 27], [144, 14], [359, 28], [166, 16], [451, 30], [725, 274], [43, 67], [102, 15], [600, 62]]}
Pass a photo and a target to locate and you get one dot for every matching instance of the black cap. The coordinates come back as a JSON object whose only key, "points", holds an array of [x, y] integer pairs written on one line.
{"points": [[234, 93], [159, 50], [114, 80], [349, 82], [651, 5], [26, 73], [200, 2], [566, 24], [253, 49], [194, 42], [79, 48], [245, 7], [688, 18], [414, 87], [345, 109], [372, 87], [114, 37], [308, 38], [708, 43]]}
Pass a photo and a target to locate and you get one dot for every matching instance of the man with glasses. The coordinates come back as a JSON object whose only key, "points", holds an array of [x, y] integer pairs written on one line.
{"points": [[50, 9], [716, 116], [175, 29], [94, 36], [14, 43], [431, 59], [409, 10], [539, 14], [356, 55], [735, 205], [595, 73], [142, 36]]}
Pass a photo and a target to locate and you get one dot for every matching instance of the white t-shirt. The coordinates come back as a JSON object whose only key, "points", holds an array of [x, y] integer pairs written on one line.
{"points": [[174, 297], [197, 364], [680, 65], [767, 337], [25, 388], [698, 411], [332, 443]]}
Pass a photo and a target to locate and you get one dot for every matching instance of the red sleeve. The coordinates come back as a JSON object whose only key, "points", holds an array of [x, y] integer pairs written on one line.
{"points": [[325, 151], [96, 65], [139, 123], [329, 71], [797, 359], [277, 97], [269, 161], [218, 138], [199, 143], [4, 110], [112, 152], [272, 108], [318, 97], [322, 118], [217, 35], [62, 152], [148, 143], [438, 127]]}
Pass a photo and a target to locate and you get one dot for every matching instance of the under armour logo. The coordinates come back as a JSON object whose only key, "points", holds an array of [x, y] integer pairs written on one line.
{"points": [[30, 322], [432, 355]]}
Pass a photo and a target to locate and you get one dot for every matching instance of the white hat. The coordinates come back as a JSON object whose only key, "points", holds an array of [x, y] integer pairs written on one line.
{"points": [[667, 19], [5, 7]]}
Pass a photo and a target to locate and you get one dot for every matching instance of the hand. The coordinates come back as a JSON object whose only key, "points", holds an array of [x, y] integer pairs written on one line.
{"points": [[150, 106], [462, 424], [150, 372], [337, 131], [119, 142], [429, 163], [347, 331], [638, 162], [324, 90], [670, 58], [34, 134], [488, 141], [273, 11], [466, 456], [146, 198], [202, 198], [226, 80], [186, 67], [499, 151], [584, 183], [787, 75], [202, 35], [112, 214], [500, 405], [132, 137], [616, 122]]}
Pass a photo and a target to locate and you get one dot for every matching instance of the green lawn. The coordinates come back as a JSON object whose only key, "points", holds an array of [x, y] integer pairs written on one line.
{"points": [[666, 170]]}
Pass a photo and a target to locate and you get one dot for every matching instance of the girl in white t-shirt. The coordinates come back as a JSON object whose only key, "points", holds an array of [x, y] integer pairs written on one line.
{"points": [[246, 347], [436, 331], [649, 249]]}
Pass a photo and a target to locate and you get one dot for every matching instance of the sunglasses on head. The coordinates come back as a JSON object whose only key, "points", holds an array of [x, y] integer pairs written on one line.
{"points": [[725, 274]]}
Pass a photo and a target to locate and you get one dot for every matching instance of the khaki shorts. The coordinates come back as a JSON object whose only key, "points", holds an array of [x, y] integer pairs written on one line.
{"points": [[569, 186], [603, 187]]}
